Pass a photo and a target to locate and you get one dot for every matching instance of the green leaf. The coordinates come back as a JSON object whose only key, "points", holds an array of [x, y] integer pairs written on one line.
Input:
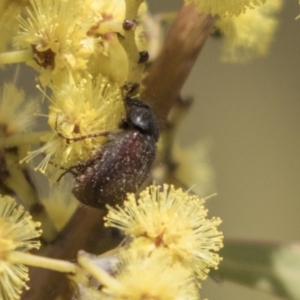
{"points": [[270, 267]]}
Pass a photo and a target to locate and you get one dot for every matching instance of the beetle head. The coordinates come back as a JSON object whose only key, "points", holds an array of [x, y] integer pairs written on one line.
{"points": [[139, 115]]}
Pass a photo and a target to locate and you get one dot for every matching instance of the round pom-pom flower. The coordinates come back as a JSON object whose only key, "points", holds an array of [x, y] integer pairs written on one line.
{"points": [[140, 276], [56, 31], [17, 229], [76, 110], [174, 220]]}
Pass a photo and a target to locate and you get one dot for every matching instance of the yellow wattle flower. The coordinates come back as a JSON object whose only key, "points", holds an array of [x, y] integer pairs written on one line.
{"points": [[56, 31], [224, 7], [17, 231], [154, 276], [250, 34], [76, 110], [140, 275], [163, 217]]}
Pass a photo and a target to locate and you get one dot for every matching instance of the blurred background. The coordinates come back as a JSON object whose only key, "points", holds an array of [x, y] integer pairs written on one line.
{"points": [[251, 114]]}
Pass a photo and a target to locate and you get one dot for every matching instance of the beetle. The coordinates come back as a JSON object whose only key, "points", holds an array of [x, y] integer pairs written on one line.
{"points": [[123, 163]]}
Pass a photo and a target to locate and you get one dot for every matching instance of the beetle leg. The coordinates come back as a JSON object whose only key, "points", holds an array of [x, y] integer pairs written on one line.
{"points": [[70, 170], [79, 138], [128, 89], [81, 166]]}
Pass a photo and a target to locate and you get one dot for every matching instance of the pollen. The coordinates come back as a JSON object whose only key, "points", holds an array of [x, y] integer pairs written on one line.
{"points": [[56, 31], [17, 233], [78, 110], [249, 35], [141, 276], [173, 220]]}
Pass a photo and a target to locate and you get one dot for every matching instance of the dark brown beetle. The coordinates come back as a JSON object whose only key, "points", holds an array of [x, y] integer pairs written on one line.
{"points": [[123, 163]]}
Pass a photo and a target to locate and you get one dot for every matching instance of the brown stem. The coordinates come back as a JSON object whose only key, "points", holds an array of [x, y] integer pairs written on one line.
{"points": [[170, 70]]}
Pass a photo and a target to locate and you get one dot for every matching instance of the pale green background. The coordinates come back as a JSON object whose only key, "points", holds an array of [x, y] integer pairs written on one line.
{"points": [[252, 114]]}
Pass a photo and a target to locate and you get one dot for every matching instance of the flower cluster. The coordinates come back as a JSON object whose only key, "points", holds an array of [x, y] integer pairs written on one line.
{"points": [[83, 53], [74, 45], [74, 38], [172, 247], [170, 240]]}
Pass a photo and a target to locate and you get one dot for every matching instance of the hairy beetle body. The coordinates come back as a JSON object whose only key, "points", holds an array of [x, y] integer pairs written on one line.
{"points": [[120, 168], [124, 161]]}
